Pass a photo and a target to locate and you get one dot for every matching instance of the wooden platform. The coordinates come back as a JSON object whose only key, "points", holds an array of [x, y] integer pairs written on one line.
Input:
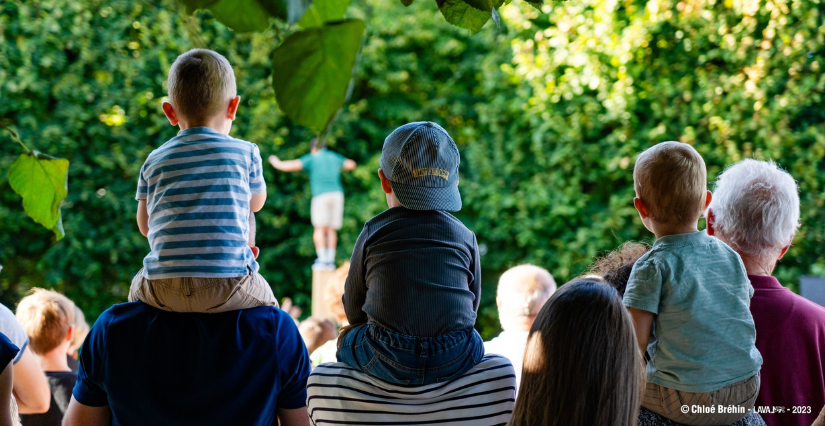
{"points": [[320, 280]]}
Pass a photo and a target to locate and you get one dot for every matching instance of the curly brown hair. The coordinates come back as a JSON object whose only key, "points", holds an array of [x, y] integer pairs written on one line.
{"points": [[615, 267]]}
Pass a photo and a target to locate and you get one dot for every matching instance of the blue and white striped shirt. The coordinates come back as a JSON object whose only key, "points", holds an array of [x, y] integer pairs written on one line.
{"points": [[197, 188]]}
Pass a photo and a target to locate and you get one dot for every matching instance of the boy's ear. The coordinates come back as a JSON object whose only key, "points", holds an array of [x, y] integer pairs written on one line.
{"points": [[70, 333], [233, 107], [385, 183], [641, 207], [707, 200], [170, 113], [255, 251]]}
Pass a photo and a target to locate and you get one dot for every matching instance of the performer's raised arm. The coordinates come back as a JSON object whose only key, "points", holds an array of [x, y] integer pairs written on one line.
{"points": [[286, 166]]}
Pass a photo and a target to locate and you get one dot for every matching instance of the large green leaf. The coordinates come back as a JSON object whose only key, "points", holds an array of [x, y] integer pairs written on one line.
{"points": [[322, 11], [42, 182], [311, 71], [250, 15], [462, 15], [484, 5]]}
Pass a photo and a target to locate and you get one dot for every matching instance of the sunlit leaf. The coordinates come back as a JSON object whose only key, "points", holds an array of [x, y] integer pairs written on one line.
{"points": [[42, 182], [462, 15], [312, 68], [250, 15], [484, 5], [322, 11]]}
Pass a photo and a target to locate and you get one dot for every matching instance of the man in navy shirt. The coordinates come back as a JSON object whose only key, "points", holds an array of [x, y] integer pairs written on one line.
{"points": [[144, 366]]}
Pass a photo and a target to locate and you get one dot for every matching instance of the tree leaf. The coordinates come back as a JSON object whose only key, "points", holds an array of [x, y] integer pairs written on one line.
{"points": [[250, 15], [463, 15], [536, 4], [312, 68], [484, 5], [42, 181], [322, 11], [406, 2]]}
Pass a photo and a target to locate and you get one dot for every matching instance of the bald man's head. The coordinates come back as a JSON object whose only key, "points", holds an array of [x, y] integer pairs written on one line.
{"points": [[522, 291]]}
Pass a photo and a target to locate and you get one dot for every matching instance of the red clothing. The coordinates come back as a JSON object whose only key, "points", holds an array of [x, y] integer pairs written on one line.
{"points": [[790, 334]]}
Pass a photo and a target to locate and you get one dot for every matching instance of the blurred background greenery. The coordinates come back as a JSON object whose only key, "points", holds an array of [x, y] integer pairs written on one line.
{"points": [[548, 112]]}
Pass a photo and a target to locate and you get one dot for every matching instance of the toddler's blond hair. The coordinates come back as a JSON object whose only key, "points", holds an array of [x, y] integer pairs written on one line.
{"points": [[671, 179], [201, 83], [46, 316]]}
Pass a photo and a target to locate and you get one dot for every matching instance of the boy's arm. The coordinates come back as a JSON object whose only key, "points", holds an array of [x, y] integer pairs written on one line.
{"points": [[143, 217], [286, 166], [642, 323], [355, 288], [256, 203], [82, 415], [475, 285]]}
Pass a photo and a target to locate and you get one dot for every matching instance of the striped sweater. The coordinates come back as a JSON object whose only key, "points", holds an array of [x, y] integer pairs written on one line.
{"points": [[340, 395]]}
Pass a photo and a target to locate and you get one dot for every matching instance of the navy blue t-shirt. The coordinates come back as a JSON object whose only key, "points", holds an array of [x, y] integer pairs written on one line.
{"points": [[153, 367]]}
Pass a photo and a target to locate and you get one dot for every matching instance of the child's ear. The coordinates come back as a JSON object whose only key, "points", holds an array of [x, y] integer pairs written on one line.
{"points": [[707, 200], [385, 183], [170, 113], [233, 107], [641, 207], [255, 251]]}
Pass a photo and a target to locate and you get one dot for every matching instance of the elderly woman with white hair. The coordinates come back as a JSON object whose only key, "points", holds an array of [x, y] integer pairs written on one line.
{"points": [[755, 210]]}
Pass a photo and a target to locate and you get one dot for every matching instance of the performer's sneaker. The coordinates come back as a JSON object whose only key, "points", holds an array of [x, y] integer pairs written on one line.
{"points": [[322, 266]]}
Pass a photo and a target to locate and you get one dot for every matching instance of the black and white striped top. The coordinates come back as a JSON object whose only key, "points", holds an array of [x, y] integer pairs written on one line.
{"points": [[341, 395]]}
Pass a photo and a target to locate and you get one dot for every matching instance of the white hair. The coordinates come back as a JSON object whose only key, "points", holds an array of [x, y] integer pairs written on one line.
{"points": [[522, 290], [755, 208]]}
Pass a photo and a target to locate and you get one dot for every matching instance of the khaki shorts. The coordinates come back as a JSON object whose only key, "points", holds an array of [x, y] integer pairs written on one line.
{"points": [[209, 295], [327, 209], [694, 408]]}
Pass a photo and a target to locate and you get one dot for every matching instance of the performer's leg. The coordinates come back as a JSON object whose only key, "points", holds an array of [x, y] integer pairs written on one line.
{"points": [[318, 237], [332, 243]]}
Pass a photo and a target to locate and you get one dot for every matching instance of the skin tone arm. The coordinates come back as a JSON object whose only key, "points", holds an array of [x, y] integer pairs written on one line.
{"points": [[30, 386], [82, 415], [642, 322], [286, 166], [349, 165], [6, 380], [294, 417], [143, 218]]}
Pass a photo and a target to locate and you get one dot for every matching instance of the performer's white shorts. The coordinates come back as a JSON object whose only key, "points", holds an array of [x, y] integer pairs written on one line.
{"points": [[327, 209]]}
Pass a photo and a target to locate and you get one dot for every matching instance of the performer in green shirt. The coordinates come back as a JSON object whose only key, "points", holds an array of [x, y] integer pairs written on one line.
{"points": [[327, 209]]}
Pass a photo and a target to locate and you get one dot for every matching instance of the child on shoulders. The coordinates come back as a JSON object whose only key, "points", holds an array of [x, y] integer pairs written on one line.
{"points": [[689, 297], [414, 283], [196, 194]]}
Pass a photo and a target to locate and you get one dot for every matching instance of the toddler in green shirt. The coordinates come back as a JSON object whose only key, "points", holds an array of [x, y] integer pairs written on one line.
{"points": [[689, 297]]}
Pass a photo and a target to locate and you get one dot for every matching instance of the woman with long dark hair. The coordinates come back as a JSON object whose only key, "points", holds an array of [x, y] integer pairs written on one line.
{"points": [[582, 365]]}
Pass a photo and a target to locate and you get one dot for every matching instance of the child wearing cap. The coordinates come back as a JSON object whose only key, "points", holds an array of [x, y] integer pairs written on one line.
{"points": [[414, 283]]}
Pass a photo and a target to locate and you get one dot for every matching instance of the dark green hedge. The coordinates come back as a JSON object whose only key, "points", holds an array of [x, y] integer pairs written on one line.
{"points": [[548, 113]]}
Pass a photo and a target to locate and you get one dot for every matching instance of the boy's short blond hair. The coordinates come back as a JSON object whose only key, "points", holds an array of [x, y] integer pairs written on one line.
{"points": [[671, 179], [201, 83], [46, 316]]}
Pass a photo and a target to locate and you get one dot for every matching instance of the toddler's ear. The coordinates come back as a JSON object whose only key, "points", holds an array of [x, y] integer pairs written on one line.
{"points": [[255, 251], [233, 107], [170, 113], [641, 207], [707, 200]]}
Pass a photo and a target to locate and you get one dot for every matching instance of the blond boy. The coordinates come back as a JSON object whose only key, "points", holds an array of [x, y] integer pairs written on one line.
{"points": [[48, 318], [195, 195], [689, 298]]}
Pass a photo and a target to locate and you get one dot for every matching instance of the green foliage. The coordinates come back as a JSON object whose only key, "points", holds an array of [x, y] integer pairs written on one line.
{"points": [[41, 181], [548, 116], [464, 15], [312, 68], [250, 15]]}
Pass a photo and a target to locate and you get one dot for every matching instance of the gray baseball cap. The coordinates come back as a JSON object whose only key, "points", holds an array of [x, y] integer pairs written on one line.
{"points": [[421, 161]]}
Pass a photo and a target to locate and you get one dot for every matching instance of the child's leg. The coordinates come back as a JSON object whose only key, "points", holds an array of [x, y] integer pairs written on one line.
{"points": [[209, 295], [410, 360], [703, 408]]}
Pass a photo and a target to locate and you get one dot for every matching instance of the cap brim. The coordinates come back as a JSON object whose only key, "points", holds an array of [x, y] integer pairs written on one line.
{"points": [[423, 198]]}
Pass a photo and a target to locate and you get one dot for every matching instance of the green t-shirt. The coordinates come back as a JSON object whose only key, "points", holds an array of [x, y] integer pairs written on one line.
{"points": [[703, 337], [324, 168]]}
